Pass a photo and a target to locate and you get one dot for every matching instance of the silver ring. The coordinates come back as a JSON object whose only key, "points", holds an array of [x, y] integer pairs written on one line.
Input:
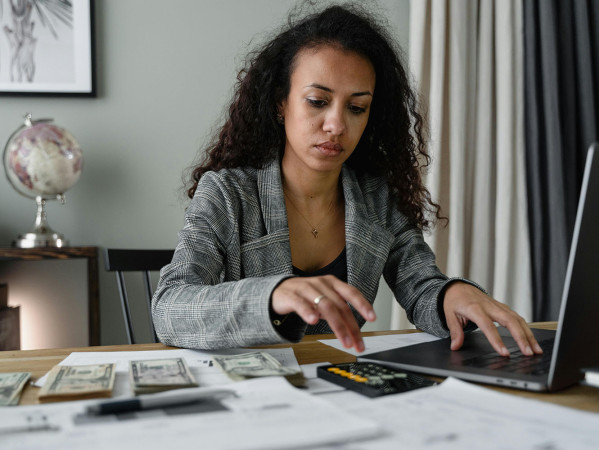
{"points": [[318, 299]]}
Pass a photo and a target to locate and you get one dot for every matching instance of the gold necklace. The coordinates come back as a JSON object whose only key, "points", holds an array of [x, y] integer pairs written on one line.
{"points": [[314, 229]]}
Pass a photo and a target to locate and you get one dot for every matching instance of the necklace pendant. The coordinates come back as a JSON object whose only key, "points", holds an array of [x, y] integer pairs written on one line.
{"points": [[315, 233]]}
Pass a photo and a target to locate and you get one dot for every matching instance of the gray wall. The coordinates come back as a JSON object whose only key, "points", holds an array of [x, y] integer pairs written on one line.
{"points": [[165, 70]]}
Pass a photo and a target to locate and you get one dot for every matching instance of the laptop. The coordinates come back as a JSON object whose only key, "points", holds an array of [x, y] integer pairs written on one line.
{"points": [[573, 346]]}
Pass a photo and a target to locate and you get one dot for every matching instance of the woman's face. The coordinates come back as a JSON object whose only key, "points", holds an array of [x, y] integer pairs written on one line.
{"points": [[327, 108]]}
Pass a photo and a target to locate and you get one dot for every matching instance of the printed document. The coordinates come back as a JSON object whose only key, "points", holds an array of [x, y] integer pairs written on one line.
{"points": [[457, 415], [265, 413]]}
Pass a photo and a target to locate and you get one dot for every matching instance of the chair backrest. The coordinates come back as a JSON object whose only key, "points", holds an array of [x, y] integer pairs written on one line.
{"points": [[144, 261]]}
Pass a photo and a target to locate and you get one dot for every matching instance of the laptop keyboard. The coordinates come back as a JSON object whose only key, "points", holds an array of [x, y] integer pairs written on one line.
{"points": [[517, 362]]}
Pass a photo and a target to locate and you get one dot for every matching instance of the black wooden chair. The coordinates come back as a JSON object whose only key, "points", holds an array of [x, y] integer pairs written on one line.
{"points": [[144, 261]]}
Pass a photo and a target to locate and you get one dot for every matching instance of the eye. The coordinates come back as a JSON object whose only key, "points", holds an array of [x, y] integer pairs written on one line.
{"points": [[316, 103], [356, 109]]}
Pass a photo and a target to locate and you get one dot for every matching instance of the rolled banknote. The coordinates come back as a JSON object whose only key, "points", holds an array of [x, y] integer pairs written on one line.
{"points": [[11, 386]]}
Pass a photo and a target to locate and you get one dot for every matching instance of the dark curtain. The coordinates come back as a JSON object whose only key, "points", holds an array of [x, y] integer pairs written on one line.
{"points": [[561, 84]]}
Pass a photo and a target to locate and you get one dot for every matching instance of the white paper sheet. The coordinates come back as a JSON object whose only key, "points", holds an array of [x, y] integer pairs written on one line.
{"points": [[268, 413], [381, 343], [315, 385], [458, 415]]}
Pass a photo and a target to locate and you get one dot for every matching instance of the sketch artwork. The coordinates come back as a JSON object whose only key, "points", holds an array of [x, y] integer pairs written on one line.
{"points": [[34, 34]]}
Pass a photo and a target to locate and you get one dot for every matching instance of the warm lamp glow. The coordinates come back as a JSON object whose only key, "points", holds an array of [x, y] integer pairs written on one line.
{"points": [[26, 323], [53, 314]]}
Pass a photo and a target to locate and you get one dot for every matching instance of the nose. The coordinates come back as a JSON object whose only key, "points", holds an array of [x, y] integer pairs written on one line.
{"points": [[334, 122]]}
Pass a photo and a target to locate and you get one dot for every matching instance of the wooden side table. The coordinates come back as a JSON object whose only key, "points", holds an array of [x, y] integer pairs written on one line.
{"points": [[93, 290]]}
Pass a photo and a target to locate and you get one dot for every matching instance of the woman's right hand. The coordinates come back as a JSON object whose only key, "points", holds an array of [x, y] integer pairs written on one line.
{"points": [[325, 297]]}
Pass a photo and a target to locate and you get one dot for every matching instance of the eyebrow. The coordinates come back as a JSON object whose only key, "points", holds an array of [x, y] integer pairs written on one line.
{"points": [[324, 88]]}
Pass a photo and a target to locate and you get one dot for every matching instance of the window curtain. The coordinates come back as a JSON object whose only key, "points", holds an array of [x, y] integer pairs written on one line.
{"points": [[561, 40], [466, 57]]}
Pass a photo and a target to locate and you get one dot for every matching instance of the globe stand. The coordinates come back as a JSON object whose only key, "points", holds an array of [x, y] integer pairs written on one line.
{"points": [[42, 161], [41, 235]]}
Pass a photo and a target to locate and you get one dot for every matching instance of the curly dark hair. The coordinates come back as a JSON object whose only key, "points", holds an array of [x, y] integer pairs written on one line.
{"points": [[393, 144]]}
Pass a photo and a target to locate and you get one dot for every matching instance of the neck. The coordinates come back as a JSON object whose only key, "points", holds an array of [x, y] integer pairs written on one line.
{"points": [[309, 186]]}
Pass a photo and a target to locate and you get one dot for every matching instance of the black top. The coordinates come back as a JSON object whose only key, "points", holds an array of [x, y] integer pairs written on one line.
{"points": [[338, 268]]}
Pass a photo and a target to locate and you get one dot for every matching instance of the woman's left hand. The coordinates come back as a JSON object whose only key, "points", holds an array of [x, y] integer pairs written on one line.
{"points": [[464, 302]]}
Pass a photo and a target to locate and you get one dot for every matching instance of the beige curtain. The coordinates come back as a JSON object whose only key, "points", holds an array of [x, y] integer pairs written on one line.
{"points": [[466, 59]]}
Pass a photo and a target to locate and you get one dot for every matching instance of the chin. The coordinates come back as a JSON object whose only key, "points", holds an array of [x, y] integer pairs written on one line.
{"points": [[328, 165]]}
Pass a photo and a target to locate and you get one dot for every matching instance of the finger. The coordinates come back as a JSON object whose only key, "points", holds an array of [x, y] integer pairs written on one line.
{"points": [[289, 301], [456, 332], [535, 344], [306, 310], [343, 323], [517, 327], [339, 316], [331, 308], [336, 311], [354, 297], [490, 331], [523, 336]]}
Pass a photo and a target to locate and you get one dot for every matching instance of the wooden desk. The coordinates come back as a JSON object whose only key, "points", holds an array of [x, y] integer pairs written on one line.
{"points": [[309, 350], [89, 253]]}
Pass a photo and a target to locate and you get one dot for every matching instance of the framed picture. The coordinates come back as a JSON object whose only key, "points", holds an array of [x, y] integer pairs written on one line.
{"points": [[47, 48]]}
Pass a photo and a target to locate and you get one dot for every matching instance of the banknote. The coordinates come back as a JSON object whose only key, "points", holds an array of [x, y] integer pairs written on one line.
{"points": [[11, 385], [256, 364], [155, 375], [78, 382]]}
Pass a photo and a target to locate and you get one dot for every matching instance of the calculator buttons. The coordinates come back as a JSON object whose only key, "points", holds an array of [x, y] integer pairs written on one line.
{"points": [[371, 379]]}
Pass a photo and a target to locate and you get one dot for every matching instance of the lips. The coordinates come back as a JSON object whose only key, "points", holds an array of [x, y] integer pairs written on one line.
{"points": [[330, 147]]}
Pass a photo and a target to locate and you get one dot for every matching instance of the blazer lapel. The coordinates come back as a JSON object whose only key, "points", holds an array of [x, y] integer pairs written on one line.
{"points": [[368, 244], [272, 201], [271, 253]]}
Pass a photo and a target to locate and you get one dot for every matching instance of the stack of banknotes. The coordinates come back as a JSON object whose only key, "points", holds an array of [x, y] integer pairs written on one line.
{"points": [[156, 375], [11, 386], [257, 364], [146, 377], [78, 382]]}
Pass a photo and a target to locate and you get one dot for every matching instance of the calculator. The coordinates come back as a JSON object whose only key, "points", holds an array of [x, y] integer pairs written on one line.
{"points": [[371, 379]]}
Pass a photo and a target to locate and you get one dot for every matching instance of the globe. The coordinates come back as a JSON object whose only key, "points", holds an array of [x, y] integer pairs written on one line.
{"points": [[42, 161]]}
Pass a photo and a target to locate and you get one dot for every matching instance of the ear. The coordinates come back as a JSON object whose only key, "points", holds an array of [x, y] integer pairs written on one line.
{"points": [[281, 107], [281, 112]]}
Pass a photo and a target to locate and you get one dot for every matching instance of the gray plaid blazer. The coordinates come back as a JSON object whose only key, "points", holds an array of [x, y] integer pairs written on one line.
{"points": [[234, 250]]}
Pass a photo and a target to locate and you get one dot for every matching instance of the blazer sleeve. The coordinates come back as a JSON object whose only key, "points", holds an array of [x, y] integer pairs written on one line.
{"points": [[193, 306], [412, 274]]}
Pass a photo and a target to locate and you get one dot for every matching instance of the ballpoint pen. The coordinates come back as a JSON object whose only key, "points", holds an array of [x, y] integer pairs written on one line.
{"points": [[156, 401]]}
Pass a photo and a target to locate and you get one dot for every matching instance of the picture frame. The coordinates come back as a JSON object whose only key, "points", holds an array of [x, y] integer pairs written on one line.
{"points": [[47, 48]]}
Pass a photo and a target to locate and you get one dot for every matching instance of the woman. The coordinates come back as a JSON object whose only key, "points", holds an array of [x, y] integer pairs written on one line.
{"points": [[312, 191]]}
